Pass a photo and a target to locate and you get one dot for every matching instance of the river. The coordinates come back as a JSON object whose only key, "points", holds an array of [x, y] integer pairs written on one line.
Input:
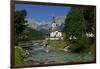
{"points": [[39, 54]]}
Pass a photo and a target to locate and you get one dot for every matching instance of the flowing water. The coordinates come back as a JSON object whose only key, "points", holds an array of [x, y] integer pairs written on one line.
{"points": [[39, 54]]}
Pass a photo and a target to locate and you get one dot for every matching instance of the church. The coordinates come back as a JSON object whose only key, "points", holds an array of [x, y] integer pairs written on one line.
{"points": [[55, 34]]}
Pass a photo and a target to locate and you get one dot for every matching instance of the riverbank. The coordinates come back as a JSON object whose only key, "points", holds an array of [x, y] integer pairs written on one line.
{"points": [[21, 56], [38, 55], [19, 61]]}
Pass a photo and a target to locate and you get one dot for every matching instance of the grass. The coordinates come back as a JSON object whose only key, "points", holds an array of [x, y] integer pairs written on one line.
{"points": [[18, 58], [91, 49], [58, 44]]}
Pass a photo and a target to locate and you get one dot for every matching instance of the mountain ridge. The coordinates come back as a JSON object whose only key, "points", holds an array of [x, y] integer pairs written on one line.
{"points": [[45, 26]]}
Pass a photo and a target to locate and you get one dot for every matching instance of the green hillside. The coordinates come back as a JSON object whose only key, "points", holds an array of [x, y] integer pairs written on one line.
{"points": [[30, 34]]}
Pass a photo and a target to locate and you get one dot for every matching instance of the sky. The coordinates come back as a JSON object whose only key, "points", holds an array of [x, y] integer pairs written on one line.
{"points": [[42, 12]]}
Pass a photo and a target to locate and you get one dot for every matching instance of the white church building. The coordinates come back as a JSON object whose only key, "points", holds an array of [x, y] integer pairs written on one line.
{"points": [[55, 34]]}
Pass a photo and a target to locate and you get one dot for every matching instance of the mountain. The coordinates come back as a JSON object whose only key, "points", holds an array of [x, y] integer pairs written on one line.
{"points": [[33, 24], [45, 26], [60, 20]]}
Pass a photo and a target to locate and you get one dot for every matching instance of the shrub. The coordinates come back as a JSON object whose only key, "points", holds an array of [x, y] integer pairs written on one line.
{"points": [[77, 46]]}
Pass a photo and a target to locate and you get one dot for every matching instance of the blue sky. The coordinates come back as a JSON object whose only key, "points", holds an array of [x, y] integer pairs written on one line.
{"points": [[42, 12]]}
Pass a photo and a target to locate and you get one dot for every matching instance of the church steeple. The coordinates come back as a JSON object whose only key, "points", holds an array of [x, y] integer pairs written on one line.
{"points": [[54, 25], [53, 20]]}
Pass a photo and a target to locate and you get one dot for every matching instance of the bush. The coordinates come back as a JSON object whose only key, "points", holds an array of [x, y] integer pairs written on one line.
{"points": [[77, 46], [90, 40], [18, 57]]}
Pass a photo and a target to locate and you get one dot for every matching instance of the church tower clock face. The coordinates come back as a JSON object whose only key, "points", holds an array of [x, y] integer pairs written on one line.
{"points": [[54, 26]]}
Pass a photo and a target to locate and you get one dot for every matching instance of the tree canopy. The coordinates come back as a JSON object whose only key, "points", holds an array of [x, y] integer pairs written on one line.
{"points": [[78, 22], [22, 31], [20, 21]]}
